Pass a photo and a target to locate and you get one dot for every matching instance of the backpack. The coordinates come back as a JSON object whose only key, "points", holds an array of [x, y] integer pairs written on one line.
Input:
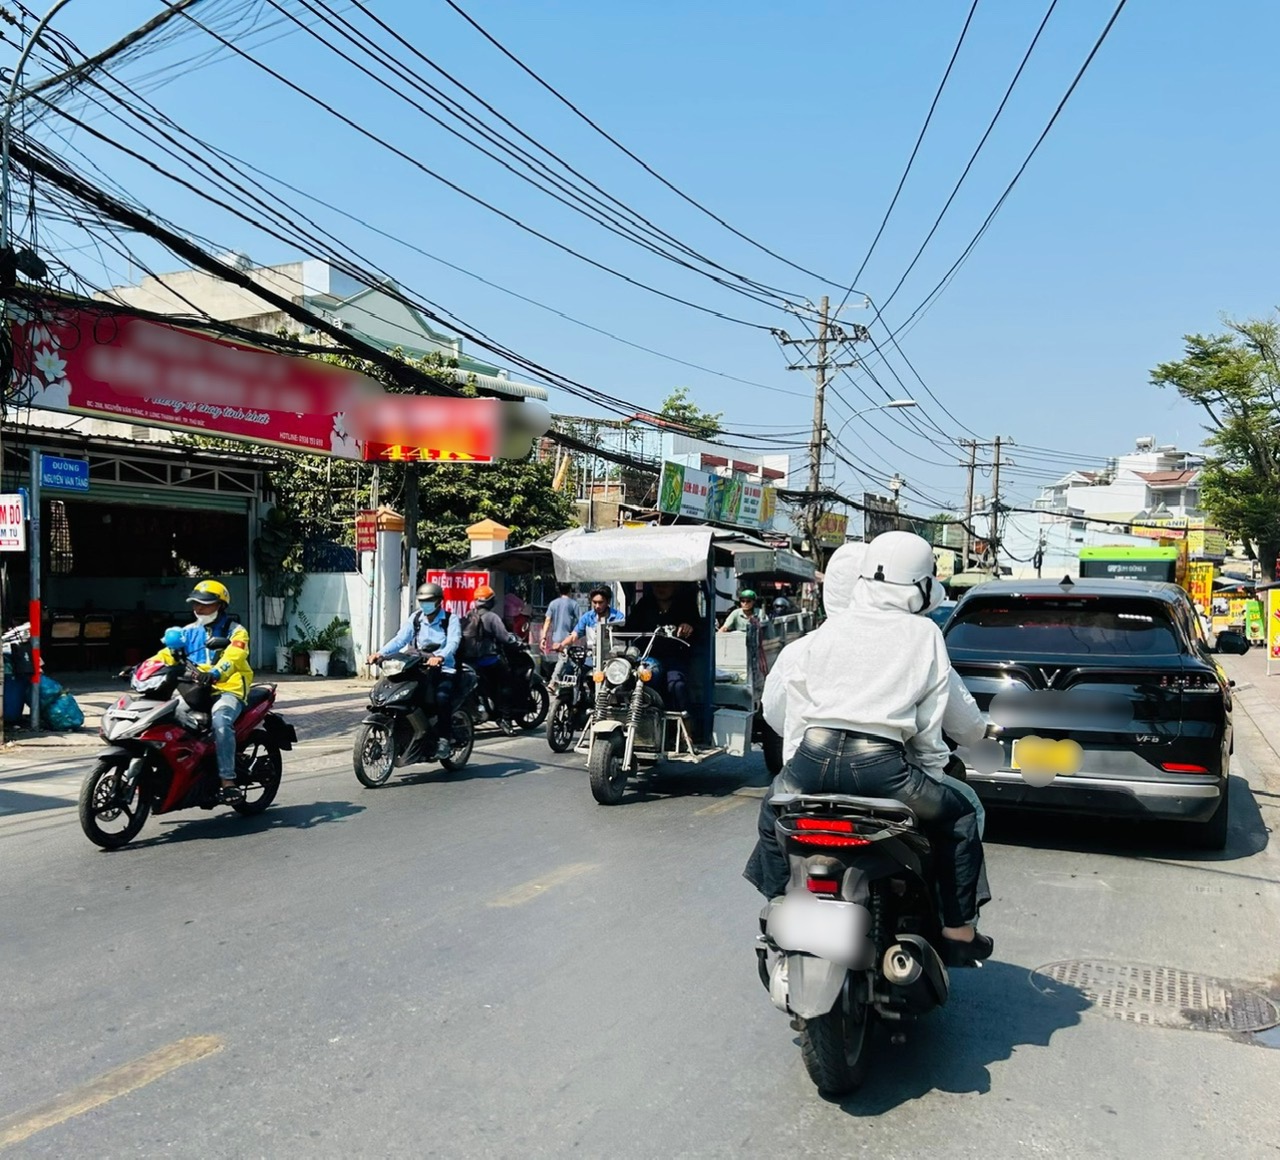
{"points": [[417, 624], [476, 642]]}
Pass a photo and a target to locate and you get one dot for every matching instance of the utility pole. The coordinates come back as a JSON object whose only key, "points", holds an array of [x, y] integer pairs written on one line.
{"points": [[1000, 442], [822, 365], [968, 502], [819, 398]]}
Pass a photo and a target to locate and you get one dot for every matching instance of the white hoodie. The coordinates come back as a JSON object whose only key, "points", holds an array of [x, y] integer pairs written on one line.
{"points": [[818, 680]]}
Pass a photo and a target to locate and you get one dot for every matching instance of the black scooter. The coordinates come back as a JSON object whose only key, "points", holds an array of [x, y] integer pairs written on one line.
{"points": [[525, 692], [573, 697], [401, 726]]}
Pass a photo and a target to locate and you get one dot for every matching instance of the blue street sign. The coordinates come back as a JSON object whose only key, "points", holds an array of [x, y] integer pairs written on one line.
{"points": [[64, 474]]}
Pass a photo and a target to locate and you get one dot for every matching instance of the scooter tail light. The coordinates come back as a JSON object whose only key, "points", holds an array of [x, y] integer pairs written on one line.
{"points": [[812, 839], [838, 825], [823, 885]]}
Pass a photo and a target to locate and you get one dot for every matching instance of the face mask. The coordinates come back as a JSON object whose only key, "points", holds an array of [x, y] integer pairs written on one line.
{"points": [[428, 606], [207, 619]]}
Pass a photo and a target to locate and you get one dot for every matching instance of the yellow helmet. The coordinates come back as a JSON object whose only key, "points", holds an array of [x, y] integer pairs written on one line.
{"points": [[209, 592]]}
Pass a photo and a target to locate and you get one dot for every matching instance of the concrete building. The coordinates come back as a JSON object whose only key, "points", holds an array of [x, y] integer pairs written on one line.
{"points": [[1149, 488]]}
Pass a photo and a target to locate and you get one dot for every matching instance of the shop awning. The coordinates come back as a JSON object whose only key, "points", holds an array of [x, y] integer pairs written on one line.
{"points": [[675, 552]]}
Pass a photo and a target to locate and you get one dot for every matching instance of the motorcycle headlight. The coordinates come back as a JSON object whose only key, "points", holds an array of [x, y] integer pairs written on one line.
{"points": [[392, 668], [617, 671]]}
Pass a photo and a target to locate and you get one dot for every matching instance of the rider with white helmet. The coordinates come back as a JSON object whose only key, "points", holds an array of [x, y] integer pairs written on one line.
{"points": [[870, 691]]}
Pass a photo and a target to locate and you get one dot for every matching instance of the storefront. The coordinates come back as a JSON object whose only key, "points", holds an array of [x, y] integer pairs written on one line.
{"points": [[118, 559]]}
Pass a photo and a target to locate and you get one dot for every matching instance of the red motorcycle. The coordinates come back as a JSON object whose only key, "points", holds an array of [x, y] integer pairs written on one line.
{"points": [[161, 752]]}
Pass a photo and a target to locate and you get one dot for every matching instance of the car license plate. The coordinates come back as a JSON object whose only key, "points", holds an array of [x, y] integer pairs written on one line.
{"points": [[1042, 757]]}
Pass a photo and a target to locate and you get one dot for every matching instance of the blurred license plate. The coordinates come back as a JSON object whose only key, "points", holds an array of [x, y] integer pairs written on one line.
{"points": [[1041, 756]]}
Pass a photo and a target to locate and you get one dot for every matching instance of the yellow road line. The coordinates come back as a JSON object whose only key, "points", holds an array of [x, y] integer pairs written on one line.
{"points": [[114, 1084], [722, 805], [539, 886]]}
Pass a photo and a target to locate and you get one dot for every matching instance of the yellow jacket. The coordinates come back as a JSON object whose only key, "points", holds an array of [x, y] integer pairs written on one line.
{"points": [[234, 674]]}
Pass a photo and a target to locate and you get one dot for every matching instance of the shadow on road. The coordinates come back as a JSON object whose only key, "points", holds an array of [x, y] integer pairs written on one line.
{"points": [[473, 771], [228, 825], [992, 1012], [1248, 834]]}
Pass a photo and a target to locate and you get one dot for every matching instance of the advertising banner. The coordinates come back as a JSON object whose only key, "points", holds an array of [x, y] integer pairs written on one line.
{"points": [[832, 529], [127, 368], [1200, 584], [459, 588], [880, 515], [93, 361], [13, 528], [718, 499], [1273, 628]]}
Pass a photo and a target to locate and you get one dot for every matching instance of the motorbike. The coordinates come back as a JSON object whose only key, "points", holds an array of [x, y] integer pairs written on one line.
{"points": [[629, 720], [401, 727], [573, 696], [160, 752], [527, 695], [855, 939]]}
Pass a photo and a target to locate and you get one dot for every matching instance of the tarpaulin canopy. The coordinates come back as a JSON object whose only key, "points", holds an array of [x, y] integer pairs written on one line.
{"points": [[678, 552]]}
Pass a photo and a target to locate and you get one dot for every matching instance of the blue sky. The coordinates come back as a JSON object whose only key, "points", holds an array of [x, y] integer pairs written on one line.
{"points": [[1148, 211]]}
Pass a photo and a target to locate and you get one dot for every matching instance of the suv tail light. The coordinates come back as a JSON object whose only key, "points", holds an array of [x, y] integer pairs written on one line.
{"points": [[1183, 767], [1191, 683]]}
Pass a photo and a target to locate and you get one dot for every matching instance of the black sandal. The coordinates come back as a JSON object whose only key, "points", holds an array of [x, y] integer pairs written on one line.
{"points": [[966, 954], [230, 795]]}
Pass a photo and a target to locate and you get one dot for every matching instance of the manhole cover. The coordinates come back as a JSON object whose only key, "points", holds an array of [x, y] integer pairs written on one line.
{"points": [[1161, 996]]}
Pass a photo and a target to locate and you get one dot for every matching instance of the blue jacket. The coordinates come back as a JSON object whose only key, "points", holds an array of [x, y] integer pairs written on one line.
{"points": [[436, 630]]}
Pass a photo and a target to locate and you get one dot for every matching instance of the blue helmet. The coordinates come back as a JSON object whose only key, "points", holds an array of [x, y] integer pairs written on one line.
{"points": [[174, 638]]}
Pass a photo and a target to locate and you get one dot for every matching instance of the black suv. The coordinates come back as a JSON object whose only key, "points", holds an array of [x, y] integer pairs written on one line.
{"points": [[1119, 667]]}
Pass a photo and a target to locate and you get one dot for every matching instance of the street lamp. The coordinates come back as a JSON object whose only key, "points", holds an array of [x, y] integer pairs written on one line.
{"points": [[892, 405]]}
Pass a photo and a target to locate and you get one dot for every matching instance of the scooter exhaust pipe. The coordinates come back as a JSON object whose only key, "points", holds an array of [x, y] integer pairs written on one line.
{"points": [[900, 967]]}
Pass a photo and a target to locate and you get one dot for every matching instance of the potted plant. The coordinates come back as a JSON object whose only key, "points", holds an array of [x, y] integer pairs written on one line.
{"points": [[320, 645], [280, 575]]}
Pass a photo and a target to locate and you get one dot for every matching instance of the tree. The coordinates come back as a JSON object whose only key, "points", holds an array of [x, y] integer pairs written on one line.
{"points": [[679, 409], [1235, 379]]}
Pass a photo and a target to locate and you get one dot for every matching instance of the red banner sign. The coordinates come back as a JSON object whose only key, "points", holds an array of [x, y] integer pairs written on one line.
{"points": [[366, 531], [459, 588], [73, 357], [127, 368]]}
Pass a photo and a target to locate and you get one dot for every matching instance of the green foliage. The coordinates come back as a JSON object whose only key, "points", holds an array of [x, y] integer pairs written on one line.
{"points": [[1235, 379], [678, 408], [327, 639]]}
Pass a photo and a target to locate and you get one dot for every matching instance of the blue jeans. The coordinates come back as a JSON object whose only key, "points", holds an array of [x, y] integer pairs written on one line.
{"points": [[226, 710], [835, 761]]}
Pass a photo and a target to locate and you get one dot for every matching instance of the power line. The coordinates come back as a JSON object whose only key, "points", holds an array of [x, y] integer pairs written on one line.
{"points": [[915, 150], [638, 160], [974, 155], [955, 266]]}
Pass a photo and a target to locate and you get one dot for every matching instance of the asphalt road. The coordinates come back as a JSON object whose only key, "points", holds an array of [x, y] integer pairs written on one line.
{"points": [[490, 964]]}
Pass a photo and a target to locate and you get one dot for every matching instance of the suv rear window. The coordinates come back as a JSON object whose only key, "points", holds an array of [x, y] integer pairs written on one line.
{"points": [[1082, 626]]}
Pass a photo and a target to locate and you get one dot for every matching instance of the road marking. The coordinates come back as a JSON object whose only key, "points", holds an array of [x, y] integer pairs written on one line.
{"points": [[531, 890], [114, 1084], [722, 805]]}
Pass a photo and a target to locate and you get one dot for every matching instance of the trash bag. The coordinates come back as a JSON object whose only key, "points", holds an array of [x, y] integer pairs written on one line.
{"points": [[50, 690], [63, 713]]}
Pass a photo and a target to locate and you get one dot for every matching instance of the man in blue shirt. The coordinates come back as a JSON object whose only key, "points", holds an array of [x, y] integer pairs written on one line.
{"points": [[432, 630], [562, 615], [588, 624]]}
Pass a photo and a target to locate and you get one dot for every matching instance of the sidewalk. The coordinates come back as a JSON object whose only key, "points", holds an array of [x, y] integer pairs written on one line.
{"points": [[320, 708], [1257, 706]]}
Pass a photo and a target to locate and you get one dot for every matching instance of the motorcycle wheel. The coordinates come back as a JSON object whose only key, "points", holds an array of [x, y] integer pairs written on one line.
{"points": [[106, 820], [464, 728], [836, 1047], [608, 778], [560, 727], [541, 702], [771, 744], [373, 754], [262, 765]]}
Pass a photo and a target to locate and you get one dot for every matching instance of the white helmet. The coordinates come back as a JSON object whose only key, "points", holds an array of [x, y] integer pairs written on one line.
{"points": [[905, 559]]}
